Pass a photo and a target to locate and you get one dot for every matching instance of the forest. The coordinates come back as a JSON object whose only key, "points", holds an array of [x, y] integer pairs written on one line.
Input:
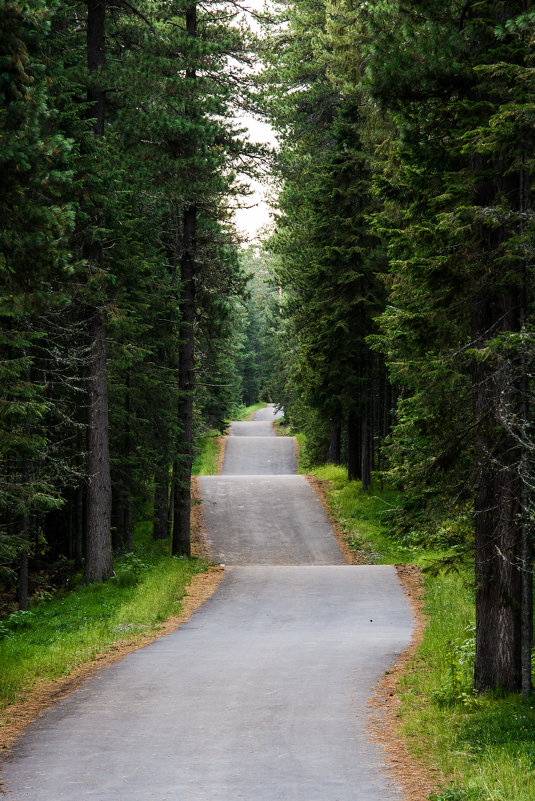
{"points": [[388, 308]]}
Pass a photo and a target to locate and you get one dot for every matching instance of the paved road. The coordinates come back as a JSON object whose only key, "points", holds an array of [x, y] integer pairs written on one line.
{"points": [[259, 456], [267, 520], [261, 696]]}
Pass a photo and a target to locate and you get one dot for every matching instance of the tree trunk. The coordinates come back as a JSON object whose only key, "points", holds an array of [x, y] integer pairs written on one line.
{"points": [[160, 528], [171, 504], [527, 533], [79, 521], [335, 444], [117, 522], [98, 563], [527, 599], [24, 569], [353, 447], [497, 510], [79, 529], [129, 526], [96, 57], [182, 485], [181, 543], [365, 449], [128, 510]]}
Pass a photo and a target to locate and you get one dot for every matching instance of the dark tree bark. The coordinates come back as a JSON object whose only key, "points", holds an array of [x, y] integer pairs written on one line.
{"points": [[497, 503], [98, 563], [526, 615], [353, 447], [504, 624], [25, 554], [24, 575], [181, 541], [365, 450], [79, 520], [129, 526], [171, 504], [79, 529], [160, 528], [96, 57], [335, 443], [497, 544], [183, 463], [128, 509], [117, 523]]}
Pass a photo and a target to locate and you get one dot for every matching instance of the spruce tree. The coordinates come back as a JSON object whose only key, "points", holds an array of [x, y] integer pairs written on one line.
{"points": [[455, 193], [36, 221]]}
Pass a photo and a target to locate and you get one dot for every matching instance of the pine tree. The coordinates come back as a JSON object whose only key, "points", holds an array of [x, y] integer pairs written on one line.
{"points": [[36, 221], [454, 188]]}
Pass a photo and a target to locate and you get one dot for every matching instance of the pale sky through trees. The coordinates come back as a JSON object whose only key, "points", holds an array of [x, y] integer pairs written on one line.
{"points": [[256, 214]]}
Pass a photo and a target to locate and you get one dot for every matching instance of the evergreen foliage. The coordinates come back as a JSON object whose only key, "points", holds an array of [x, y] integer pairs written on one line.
{"points": [[103, 152]]}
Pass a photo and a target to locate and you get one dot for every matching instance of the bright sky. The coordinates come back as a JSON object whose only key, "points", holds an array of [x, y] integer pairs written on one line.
{"points": [[256, 214], [252, 219]]}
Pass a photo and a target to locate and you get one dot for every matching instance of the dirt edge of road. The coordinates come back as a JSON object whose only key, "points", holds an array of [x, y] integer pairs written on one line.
{"points": [[417, 781], [48, 692], [352, 556], [222, 443]]}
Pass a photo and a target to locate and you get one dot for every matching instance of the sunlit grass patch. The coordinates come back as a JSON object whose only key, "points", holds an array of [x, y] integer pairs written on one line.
{"points": [[206, 461], [248, 412]]}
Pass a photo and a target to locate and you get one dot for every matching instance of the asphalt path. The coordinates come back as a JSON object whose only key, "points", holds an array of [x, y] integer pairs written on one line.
{"points": [[246, 456], [252, 428], [261, 696], [266, 520], [269, 413]]}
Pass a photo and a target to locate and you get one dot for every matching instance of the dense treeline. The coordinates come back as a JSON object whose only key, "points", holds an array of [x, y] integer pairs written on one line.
{"points": [[122, 289], [404, 249]]}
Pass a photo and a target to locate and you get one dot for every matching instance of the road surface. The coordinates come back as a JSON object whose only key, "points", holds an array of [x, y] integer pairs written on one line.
{"points": [[262, 695]]}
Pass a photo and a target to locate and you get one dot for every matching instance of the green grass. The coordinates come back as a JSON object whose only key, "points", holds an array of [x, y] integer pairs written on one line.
{"points": [[73, 627], [358, 514], [248, 412], [206, 461], [484, 746]]}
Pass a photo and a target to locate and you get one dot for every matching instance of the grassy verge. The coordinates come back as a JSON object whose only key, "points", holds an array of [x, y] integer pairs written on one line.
{"points": [[70, 629], [483, 747], [206, 463], [358, 516], [248, 412]]}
